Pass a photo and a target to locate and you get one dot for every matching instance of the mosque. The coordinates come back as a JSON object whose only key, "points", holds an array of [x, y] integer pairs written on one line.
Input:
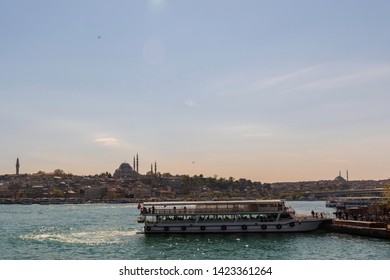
{"points": [[125, 170]]}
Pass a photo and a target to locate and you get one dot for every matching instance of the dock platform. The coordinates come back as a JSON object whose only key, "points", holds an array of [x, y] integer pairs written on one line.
{"points": [[364, 228]]}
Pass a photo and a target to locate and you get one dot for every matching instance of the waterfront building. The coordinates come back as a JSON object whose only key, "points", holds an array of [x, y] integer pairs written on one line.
{"points": [[38, 191], [5, 192], [142, 192], [95, 193]]}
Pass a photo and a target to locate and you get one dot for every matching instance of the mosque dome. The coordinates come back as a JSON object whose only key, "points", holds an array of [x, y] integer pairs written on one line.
{"points": [[340, 180], [125, 170], [125, 166]]}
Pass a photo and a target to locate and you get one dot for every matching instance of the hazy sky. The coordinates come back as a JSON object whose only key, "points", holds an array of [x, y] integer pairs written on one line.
{"points": [[264, 90]]}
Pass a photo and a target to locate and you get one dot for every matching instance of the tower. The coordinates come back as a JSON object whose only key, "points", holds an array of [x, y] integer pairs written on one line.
{"points": [[137, 164], [17, 166], [155, 168]]}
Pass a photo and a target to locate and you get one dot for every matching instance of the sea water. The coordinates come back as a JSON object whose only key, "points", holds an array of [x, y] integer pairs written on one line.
{"points": [[111, 232]]}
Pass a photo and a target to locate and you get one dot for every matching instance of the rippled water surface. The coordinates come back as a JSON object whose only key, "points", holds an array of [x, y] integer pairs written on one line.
{"points": [[110, 231]]}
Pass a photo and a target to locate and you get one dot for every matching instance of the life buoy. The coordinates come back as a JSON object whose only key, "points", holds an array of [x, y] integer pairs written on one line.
{"points": [[292, 224], [166, 228], [223, 227], [278, 226], [202, 228], [264, 227], [148, 228], [183, 228], [244, 227]]}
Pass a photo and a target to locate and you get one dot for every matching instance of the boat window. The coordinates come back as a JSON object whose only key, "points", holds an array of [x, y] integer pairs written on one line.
{"points": [[285, 216], [150, 219]]}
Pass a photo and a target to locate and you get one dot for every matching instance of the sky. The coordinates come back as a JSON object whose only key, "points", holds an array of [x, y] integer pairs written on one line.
{"points": [[271, 91]]}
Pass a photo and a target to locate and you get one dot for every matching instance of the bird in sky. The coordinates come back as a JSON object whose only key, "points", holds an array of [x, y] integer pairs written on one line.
{"points": [[99, 37]]}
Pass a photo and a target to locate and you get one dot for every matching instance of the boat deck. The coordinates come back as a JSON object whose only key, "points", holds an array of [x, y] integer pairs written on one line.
{"points": [[151, 211]]}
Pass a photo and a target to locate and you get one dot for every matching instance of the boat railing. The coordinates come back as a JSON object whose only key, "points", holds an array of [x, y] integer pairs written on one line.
{"points": [[183, 211], [172, 222], [308, 216], [206, 220]]}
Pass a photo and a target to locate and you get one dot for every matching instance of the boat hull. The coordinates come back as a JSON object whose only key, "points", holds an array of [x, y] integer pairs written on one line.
{"points": [[277, 227]]}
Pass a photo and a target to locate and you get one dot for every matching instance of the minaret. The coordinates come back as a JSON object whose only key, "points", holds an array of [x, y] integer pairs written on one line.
{"points": [[151, 169], [17, 166], [134, 163], [347, 176], [137, 163], [155, 168]]}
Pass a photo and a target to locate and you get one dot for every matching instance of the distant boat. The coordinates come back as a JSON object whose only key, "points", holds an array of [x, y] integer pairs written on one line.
{"points": [[44, 201], [26, 201], [9, 201], [331, 203], [57, 201], [348, 202]]}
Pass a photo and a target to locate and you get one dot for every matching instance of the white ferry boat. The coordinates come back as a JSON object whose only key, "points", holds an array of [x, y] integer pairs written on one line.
{"points": [[260, 216], [353, 202]]}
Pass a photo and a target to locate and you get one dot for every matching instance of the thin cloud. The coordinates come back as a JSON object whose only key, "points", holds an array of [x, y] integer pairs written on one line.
{"points": [[282, 80], [353, 78], [278, 83], [318, 77], [107, 141]]}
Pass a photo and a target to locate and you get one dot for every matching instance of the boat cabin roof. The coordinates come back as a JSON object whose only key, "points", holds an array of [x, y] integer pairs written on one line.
{"points": [[213, 202]]}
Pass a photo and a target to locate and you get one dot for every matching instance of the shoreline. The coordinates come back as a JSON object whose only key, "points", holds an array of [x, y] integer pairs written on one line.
{"points": [[56, 201]]}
